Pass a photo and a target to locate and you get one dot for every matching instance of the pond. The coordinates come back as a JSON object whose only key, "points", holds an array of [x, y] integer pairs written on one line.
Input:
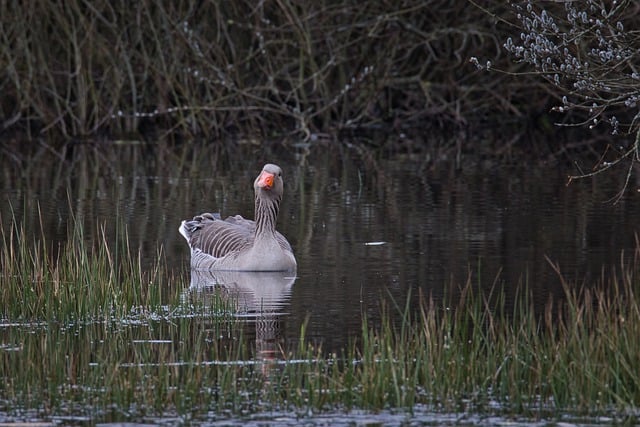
{"points": [[368, 231]]}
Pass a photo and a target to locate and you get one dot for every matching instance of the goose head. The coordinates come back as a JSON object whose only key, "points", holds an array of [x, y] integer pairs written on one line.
{"points": [[268, 185]]}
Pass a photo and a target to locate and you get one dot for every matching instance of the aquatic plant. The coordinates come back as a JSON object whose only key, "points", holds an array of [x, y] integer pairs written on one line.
{"points": [[87, 331], [78, 280], [579, 357]]}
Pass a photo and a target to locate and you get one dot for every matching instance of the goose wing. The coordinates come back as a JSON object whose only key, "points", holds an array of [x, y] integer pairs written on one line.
{"points": [[217, 237]]}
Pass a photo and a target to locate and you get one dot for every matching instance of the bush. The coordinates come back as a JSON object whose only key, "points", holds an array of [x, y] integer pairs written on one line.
{"points": [[213, 69], [588, 51]]}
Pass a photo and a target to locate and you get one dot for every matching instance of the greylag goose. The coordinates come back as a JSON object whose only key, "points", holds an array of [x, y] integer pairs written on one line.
{"points": [[240, 244]]}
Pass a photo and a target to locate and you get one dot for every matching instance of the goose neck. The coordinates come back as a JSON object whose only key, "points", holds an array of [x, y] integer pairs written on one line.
{"points": [[266, 214]]}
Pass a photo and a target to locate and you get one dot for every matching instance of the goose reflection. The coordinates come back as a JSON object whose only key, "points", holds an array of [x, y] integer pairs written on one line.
{"points": [[259, 296]]}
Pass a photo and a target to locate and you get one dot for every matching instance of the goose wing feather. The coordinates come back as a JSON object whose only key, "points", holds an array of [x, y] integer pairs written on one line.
{"points": [[209, 233], [284, 243], [214, 236]]}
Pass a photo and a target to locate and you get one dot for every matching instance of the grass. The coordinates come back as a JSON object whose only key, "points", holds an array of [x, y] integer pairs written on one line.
{"points": [[80, 280], [87, 332], [581, 358]]}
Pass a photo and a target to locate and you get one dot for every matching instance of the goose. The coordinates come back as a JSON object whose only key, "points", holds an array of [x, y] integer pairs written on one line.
{"points": [[239, 244]]}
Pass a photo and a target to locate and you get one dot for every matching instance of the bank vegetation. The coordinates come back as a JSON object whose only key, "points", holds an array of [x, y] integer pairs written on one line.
{"points": [[309, 71]]}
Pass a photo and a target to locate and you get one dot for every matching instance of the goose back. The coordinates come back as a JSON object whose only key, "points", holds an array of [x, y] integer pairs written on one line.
{"points": [[217, 237]]}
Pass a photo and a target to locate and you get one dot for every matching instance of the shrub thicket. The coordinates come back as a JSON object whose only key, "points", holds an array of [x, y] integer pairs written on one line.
{"points": [[216, 68], [588, 52]]}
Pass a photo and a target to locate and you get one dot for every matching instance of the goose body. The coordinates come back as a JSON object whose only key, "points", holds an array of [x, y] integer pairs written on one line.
{"points": [[239, 244]]}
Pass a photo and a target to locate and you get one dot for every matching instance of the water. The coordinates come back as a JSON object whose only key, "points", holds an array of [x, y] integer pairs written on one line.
{"points": [[366, 231]]}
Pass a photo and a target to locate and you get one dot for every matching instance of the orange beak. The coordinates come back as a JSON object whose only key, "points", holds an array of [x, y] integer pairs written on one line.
{"points": [[265, 180]]}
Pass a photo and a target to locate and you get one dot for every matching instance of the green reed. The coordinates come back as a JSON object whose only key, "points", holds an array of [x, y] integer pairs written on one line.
{"points": [[94, 333], [580, 357], [75, 280]]}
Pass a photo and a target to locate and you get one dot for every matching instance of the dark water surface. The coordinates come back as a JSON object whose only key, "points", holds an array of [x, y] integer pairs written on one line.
{"points": [[366, 231], [363, 230]]}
